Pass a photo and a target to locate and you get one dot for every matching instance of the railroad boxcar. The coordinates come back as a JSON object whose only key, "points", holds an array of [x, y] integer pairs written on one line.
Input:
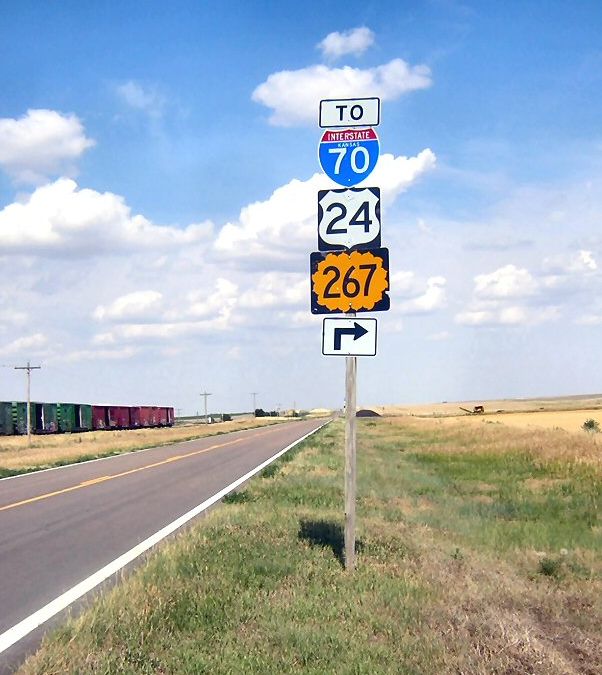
{"points": [[19, 409], [99, 417], [74, 417], [83, 416], [146, 416], [162, 412], [170, 417], [7, 427], [118, 417], [44, 418], [153, 416], [66, 417], [135, 417]]}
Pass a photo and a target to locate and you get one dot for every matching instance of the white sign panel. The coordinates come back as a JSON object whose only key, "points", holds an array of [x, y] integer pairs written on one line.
{"points": [[350, 112], [348, 218], [349, 337]]}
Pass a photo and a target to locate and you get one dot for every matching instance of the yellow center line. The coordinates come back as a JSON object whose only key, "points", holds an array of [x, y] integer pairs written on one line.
{"points": [[102, 479]]}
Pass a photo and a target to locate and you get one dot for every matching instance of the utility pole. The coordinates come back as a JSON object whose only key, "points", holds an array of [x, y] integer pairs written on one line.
{"points": [[28, 368], [254, 395], [204, 395]]}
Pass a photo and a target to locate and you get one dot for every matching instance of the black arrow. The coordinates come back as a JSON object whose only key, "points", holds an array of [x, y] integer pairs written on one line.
{"points": [[357, 331]]}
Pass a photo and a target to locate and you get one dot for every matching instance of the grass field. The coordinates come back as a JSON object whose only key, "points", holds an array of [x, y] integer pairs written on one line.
{"points": [[560, 403], [569, 420], [479, 551], [16, 456]]}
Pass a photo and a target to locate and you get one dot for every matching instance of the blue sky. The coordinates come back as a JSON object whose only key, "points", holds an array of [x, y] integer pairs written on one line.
{"points": [[158, 186]]}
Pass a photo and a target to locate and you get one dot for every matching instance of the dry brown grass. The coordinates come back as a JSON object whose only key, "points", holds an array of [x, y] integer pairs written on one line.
{"points": [[505, 405], [493, 619], [568, 420], [546, 445], [47, 450]]}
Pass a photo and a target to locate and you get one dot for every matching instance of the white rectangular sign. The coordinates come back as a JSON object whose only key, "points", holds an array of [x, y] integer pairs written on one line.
{"points": [[349, 337], [350, 112]]}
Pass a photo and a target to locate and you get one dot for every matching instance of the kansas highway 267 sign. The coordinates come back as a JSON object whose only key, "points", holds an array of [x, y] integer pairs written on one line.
{"points": [[350, 281], [348, 156], [349, 337], [348, 218]]}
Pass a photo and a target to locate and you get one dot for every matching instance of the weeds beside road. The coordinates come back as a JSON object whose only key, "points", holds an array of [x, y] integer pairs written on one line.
{"points": [[479, 552]]}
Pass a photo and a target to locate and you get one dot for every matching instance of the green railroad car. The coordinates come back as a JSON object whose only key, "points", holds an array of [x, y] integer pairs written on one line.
{"points": [[44, 419], [74, 417], [19, 410], [7, 427]]}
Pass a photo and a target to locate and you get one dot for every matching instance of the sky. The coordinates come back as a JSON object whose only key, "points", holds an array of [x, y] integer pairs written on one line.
{"points": [[158, 199]]}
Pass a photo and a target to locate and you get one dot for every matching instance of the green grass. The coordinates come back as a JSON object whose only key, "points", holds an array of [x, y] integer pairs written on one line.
{"points": [[447, 574]]}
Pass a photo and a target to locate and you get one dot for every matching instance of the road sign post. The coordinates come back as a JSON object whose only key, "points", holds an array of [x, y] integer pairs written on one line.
{"points": [[350, 459], [350, 271]]}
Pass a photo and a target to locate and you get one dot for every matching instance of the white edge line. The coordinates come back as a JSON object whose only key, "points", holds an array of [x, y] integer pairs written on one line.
{"points": [[27, 625], [134, 452]]}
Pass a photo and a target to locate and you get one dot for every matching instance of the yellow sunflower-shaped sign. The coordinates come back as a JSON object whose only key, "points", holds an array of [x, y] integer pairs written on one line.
{"points": [[350, 281]]}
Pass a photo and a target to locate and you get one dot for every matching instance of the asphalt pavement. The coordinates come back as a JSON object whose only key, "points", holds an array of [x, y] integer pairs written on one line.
{"points": [[60, 527]]}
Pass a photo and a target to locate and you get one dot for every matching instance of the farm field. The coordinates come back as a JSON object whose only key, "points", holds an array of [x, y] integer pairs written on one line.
{"points": [[568, 420], [54, 449], [479, 551], [566, 403]]}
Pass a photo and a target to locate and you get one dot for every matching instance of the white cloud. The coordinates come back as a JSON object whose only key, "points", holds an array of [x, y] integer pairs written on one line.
{"points": [[145, 99], [276, 289], [439, 337], [41, 144], [354, 41], [293, 95], [60, 218], [505, 282], [29, 344], [13, 316], [432, 299], [93, 355], [581, 262], [283, 227], [137, 305], [589, 320], [511, 315]]}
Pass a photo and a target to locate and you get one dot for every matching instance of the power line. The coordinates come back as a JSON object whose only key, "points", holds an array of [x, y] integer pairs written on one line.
{"points": [[254, 395]]}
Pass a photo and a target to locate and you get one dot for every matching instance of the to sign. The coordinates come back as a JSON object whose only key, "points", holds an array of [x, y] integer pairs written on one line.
{"points": [[349, 337], [350, 112], [355, 281], [348, 156], [348, 219]]}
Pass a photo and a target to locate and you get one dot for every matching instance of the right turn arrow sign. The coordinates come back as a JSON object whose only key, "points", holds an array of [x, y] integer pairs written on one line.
{"points": [[349, 337]]}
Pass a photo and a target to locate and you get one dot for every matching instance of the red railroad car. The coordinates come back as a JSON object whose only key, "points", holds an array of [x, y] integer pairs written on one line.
{"points": [[135, 417], [162, 417], [118, 417], [99, 417]]}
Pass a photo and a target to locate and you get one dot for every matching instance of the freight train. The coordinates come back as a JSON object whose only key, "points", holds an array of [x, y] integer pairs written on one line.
{"points": [[56, 418]]}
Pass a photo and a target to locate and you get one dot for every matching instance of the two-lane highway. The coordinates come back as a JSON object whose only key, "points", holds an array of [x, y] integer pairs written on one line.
{"points": [[65, 530]]}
